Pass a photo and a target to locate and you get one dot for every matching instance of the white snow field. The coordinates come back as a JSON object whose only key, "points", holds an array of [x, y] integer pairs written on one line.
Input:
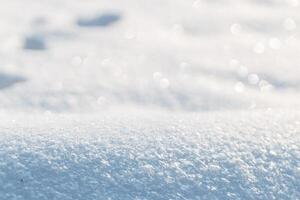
{"points": [[244, 155], [148, 100]]}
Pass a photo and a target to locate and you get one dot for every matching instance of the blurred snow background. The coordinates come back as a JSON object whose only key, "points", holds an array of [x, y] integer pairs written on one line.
{"points": [[85, 56], [160, 99]]}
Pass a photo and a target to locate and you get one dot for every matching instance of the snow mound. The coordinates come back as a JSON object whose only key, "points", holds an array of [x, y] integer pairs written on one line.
{"points": [[252, 155]]}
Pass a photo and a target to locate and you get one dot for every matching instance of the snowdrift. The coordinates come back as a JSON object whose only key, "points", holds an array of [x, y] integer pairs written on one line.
{"points": [[252, 155]]}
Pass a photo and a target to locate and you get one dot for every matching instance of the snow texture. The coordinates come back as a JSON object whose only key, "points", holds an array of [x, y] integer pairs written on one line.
{"points": [[160, 99], [252, 155]]}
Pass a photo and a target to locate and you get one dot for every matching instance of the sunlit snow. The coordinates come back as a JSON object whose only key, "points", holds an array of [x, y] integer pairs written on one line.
{"points": [[160, 99]]}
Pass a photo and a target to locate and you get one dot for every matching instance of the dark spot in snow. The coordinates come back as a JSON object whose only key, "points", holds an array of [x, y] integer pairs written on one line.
{"points": [[9, 80], [34, 42], [99, 21]]}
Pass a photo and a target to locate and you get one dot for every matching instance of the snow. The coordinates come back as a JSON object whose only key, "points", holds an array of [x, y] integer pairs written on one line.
{"points": [[86, 50], [149, 100], [239, 155], [34, 43], [104, 20]]}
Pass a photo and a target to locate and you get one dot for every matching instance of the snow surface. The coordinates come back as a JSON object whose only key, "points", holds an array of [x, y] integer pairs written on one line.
{"points": [[244, 155], [179, 55], [160, 99]]}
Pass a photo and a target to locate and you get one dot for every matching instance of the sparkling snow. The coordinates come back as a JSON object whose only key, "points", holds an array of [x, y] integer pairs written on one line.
{"points": [[136, 99]]}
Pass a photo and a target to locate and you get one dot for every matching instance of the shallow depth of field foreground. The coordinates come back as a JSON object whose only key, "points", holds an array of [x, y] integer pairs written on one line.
{"points": [[149, 100]]}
